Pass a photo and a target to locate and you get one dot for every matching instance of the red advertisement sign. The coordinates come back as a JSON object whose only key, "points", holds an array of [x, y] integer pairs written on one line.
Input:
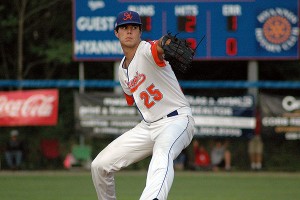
{"points": [[29, 108]]}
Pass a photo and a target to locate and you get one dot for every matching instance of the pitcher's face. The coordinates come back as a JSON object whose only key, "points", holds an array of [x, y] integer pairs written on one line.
{"points": [[129, 35]]}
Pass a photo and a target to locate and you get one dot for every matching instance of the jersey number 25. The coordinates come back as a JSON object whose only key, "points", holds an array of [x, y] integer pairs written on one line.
{"points": [[151, 96]]}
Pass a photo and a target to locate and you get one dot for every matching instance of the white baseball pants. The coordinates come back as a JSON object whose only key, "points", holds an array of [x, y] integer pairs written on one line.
{"points": [[164, 139]]}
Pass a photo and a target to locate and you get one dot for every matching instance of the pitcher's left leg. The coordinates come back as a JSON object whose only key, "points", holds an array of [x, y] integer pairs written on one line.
{"points": [[173, 138]]}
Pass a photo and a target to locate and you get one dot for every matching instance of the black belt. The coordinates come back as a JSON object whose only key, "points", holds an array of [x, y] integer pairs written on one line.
{"points": [[174, 113], [171, 114]]}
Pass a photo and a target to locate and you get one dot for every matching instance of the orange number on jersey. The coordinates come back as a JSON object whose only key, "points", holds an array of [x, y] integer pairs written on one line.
{"points": [[150, 96]]}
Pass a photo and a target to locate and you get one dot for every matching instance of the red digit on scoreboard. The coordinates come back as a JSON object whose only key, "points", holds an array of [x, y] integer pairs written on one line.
{"points": [[192, 42], [231, 47], [190, 25], [147, 23], [186, 23], [232, 23]]}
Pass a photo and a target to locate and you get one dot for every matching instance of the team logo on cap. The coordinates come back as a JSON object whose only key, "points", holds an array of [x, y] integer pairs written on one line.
{"points": [[127, 16], [278, 31]]}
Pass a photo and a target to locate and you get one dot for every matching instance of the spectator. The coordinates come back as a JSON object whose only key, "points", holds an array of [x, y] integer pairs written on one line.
{"points": [[255, 147], [14, 151], [202, 158], [220, 157]]}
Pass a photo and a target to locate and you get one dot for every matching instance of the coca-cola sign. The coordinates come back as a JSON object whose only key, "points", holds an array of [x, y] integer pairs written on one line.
{"points": [[29, 108]]}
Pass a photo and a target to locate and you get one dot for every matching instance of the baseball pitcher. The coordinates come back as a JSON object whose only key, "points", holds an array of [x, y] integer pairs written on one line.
{"points": [[149, 83]]}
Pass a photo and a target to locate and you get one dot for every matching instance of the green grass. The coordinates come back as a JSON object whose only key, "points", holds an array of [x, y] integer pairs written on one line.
{"points": [[186, 186]]}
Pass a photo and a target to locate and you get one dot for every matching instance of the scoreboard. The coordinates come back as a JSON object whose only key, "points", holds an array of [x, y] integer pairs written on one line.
{"points": [[233, 29]]}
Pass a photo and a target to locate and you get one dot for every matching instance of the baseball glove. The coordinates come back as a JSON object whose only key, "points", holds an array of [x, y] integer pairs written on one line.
{"points": [[177, 52]]}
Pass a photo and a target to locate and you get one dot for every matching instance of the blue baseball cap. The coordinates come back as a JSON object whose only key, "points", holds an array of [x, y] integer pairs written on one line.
{"points": [[128, 17]]}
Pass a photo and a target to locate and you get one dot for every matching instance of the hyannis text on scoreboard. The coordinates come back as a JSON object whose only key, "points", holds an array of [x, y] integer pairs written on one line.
{"points": [[233, 30]]}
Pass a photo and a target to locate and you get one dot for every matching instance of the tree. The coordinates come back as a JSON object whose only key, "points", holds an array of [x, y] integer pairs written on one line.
{"points": [[37, 34]]}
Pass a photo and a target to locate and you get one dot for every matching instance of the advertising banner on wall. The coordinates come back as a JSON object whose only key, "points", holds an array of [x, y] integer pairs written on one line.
{"points": [[104, 113], [280, 116], [29, 108], [107, 113], [223, 116]]}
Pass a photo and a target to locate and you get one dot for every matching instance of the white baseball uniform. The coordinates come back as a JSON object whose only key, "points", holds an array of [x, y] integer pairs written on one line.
{"points": [[166, 129]]}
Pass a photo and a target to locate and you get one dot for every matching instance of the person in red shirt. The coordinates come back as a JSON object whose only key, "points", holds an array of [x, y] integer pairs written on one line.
{"points": [[202, 158]]}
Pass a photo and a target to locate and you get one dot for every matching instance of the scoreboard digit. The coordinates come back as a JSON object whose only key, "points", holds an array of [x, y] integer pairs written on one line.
{"points": [[231, 46], [232, 24], [187, 24], [147, 23]]}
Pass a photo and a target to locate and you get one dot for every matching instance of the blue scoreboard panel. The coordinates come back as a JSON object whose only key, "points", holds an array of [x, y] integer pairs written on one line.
{"points": [[233, 29]]}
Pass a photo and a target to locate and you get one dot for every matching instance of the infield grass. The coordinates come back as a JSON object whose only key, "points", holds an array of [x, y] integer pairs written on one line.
{"points": [[129, 184]]}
